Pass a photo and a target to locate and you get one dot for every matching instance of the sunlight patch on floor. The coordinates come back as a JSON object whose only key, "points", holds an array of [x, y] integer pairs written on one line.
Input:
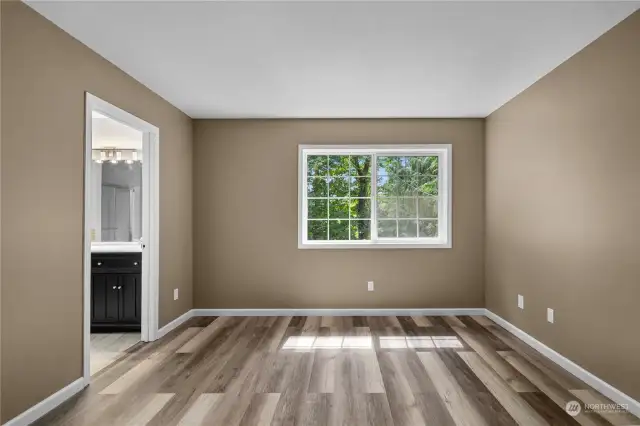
{"points": [[307, 343]]}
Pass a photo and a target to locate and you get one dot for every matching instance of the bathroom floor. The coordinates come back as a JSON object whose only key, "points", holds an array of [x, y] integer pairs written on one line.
{"points": [[108, 347]]}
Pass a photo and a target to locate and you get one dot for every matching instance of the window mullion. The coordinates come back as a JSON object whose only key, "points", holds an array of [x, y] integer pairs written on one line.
{"points": [[305, 198], [374, 198], [328, 201], [417, 216], [349, 196], [441, 197]]}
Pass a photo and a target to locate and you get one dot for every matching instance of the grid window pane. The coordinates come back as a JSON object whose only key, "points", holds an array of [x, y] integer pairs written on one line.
{"points": [[386, 163], [405, 185], [407, 207], [387, 207], [330, 181], [428, 228], [427, 207], [407, 175], [398, 185], [339, 229], [360, 230], [317, 165], [317, 209], [360, 165], [339, 208], [317, 187], [317, 229], [387, 228], [427, 185], [360, 187], [360, 208], [387, 186], [339, 165], [338, 186], [381, 189], [427, 165], [408, 228]]}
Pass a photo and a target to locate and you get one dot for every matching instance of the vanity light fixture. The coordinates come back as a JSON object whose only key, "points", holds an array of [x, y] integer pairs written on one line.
{"points": [[115, 156], [103, 157], [134, 157]]}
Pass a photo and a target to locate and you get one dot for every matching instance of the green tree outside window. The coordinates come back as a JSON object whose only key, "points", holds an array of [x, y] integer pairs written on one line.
{"points": [[340, 203]]}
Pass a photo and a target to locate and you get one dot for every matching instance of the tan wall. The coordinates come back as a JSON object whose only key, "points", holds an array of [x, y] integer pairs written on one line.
{"points": [[563, 205], [245, 221], [45, 74]]}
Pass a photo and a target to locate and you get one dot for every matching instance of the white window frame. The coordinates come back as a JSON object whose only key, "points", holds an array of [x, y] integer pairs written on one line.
{"points": [[445, 210]]}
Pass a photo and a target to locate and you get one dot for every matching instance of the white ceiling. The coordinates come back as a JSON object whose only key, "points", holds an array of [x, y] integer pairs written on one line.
{"points": [[336, 59]]}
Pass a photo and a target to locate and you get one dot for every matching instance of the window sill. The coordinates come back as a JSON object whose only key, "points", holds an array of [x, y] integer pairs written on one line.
{"points": [[389, 245]]}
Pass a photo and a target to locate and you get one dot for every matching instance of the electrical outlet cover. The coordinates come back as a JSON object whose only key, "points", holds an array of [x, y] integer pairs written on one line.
{"points": [[520, 301]]}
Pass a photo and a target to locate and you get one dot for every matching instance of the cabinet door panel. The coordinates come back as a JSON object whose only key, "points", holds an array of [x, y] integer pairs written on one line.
{"points": [[98, 297], [130, 298], [104, 298]]}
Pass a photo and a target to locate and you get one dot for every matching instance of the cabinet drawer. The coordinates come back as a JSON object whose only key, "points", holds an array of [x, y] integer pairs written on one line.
{"points": [[116, 262]]}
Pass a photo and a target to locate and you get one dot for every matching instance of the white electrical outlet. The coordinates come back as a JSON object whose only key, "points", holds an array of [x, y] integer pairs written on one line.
{"points": [[520, 301], [370, 285], [175, 294], [550, 315]]}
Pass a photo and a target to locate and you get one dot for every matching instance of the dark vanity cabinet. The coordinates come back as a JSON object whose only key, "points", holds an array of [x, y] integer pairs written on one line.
{"points": [[116, 291]]}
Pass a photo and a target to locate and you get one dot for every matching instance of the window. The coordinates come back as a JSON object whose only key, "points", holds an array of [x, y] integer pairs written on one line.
{"points": [[375, 196]]}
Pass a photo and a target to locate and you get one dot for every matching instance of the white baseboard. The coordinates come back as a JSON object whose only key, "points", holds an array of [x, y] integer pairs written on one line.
{"points": [[175, 323], [335, 312], [48, 404], [595, 382]]}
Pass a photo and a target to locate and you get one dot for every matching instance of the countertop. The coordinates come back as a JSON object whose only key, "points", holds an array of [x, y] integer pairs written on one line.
{"points": [[116, 247]]}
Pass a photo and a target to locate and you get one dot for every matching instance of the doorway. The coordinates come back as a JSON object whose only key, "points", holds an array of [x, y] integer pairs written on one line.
{"points": [[120, 234]]}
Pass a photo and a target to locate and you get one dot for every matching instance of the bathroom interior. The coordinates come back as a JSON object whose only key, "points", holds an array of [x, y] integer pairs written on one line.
{"points": [[116, 227]]}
